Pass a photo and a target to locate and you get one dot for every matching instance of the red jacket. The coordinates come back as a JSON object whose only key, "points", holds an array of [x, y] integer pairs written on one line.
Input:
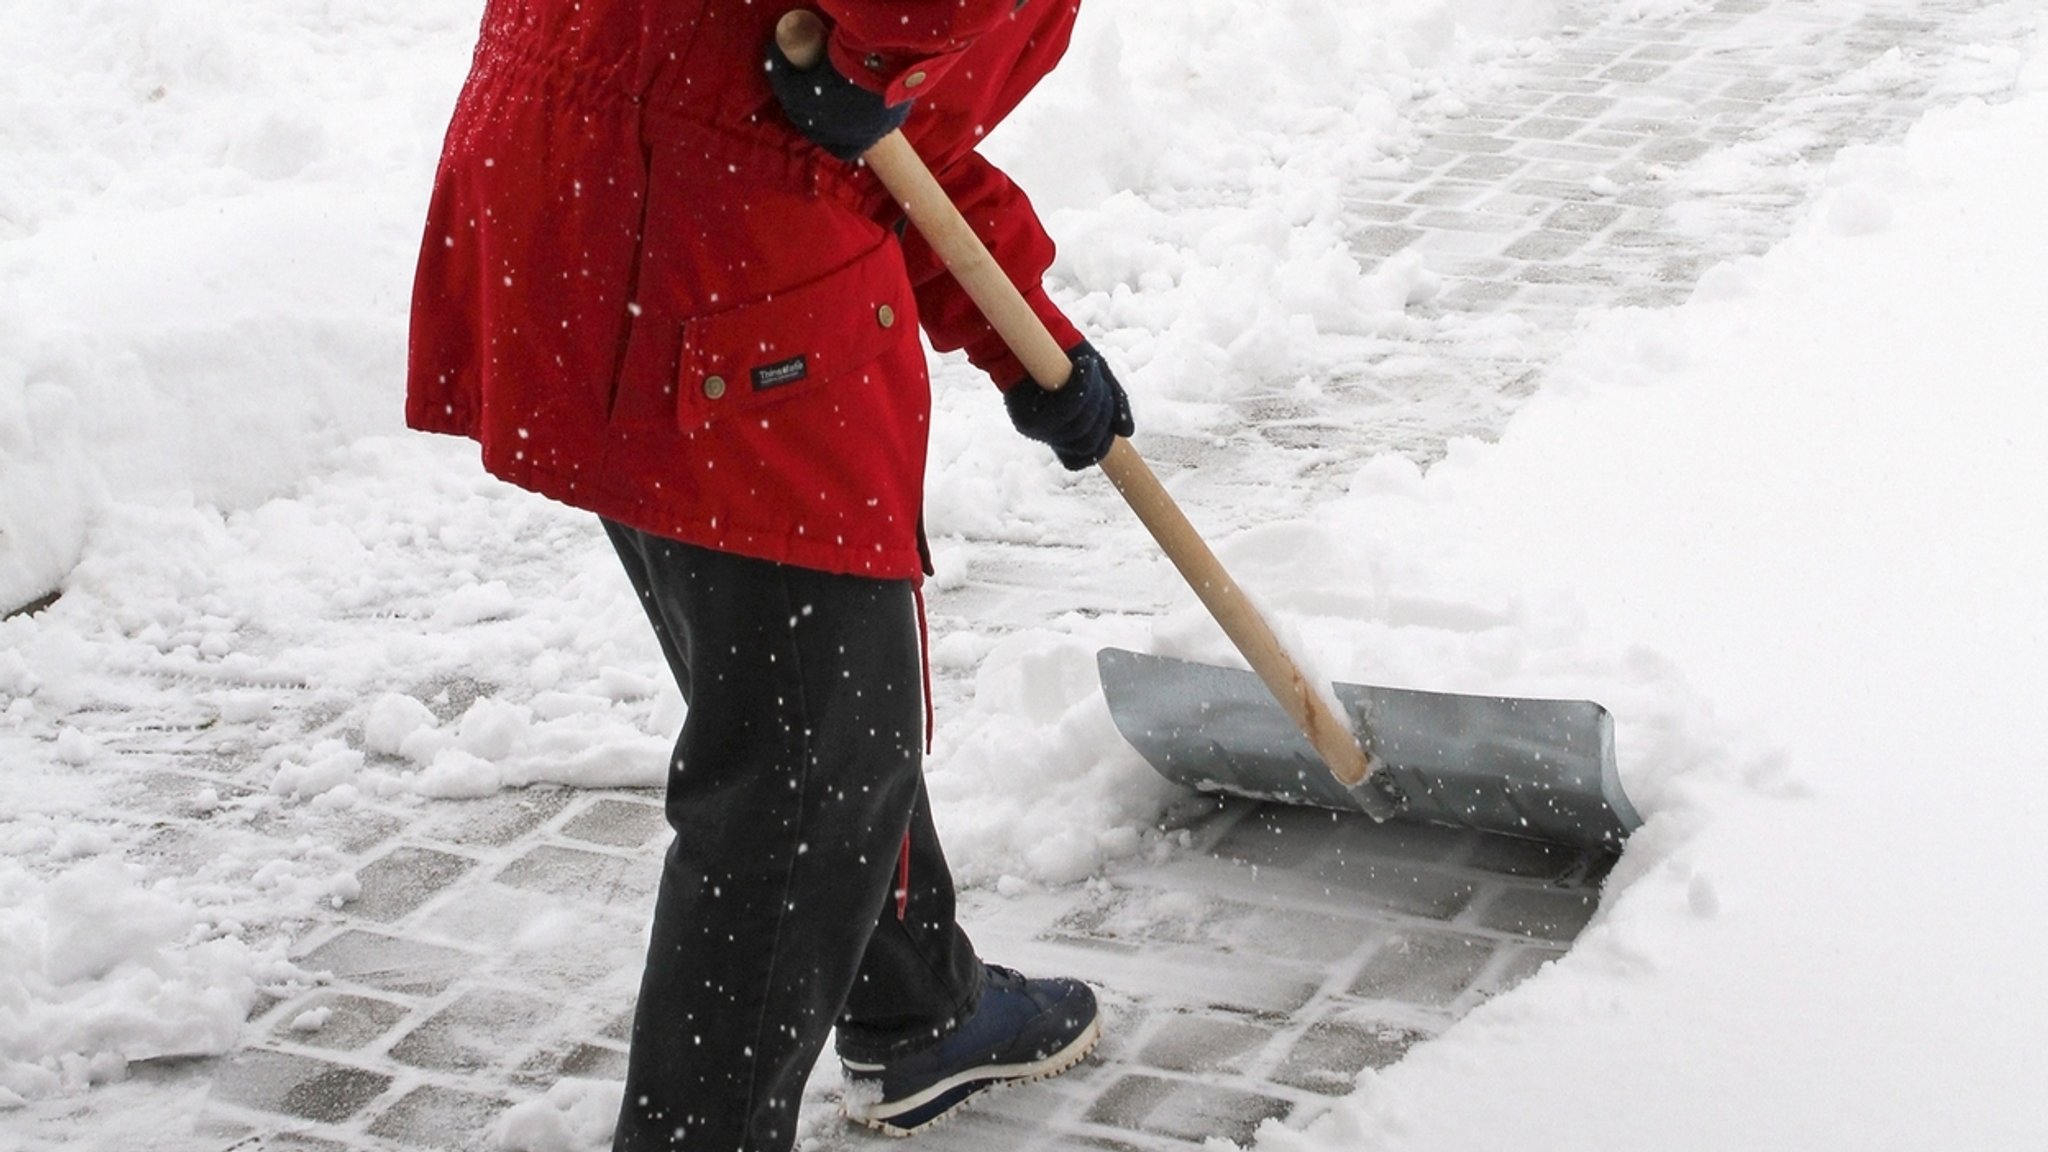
{"points": [[647, 296]]}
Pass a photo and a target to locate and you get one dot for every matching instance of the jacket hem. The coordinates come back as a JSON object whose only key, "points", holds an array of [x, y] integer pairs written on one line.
{"points": [[633, 509]]}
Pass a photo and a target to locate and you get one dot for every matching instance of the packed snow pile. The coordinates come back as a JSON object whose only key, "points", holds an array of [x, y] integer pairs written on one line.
{"points": [[97, 969], [207, 220], [1817, 493]]}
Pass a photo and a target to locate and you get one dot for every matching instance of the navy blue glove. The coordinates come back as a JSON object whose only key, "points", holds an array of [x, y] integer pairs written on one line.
{"points": [[838, 115], [1081, 420]]}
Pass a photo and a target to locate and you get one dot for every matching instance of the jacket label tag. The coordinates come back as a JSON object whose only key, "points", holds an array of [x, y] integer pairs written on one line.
{"points": [[783, 372]]}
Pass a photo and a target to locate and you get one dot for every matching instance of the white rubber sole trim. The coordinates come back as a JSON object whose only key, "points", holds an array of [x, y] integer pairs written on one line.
{"points": [[878, 1116]]}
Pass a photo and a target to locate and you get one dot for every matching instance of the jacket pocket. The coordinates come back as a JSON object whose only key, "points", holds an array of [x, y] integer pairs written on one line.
{"points": [[793, 342]]}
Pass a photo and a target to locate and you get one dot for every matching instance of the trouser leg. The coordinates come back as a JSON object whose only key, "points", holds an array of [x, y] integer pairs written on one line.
{"points": [[915, 950], [794, 781]]}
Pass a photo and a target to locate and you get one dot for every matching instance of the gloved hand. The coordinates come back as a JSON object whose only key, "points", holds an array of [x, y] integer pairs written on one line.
{"points": [[1081, 420], [838, 115]]}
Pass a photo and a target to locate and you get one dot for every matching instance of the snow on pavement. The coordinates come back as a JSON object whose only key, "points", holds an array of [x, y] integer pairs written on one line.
{"points": [[1792, 533]]}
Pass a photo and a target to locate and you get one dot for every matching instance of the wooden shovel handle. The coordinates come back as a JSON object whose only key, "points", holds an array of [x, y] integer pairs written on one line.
{"points": [[801, 35]]}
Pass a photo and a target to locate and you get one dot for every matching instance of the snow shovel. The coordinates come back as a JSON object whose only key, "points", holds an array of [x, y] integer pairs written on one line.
{"points": [[1241, 742]]}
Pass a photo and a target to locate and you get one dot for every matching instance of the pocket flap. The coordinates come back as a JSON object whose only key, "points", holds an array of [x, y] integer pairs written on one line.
{"points": [[796, 339]]}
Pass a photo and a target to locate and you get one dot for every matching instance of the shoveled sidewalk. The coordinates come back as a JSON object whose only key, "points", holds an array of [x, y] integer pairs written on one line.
{"points": [[1251, 971]]}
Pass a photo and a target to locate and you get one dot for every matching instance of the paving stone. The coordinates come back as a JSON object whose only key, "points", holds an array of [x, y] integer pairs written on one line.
{"points": [[1567, 151], [475, 1032], [354, 832], [1579, 107], [1617, 141], [1635, 71], [1640, 239], [390, 963], [1477, 295], [1140, 916], [297, 1086], [1429, 160], [1526, 208], [403, 879], [1666, 53], [1519, 966], [1424, 967], [620, 1028], [1581, 217], [363, 831], [1548, 914], [1545, 245], [1530, 859], [1417, 843], [1331, 1053], [178, 849], [1472, 144], [560, 944], [986, 1129], [1384, 213], [1673, 150], [445, 1119], [1546, 128], [1372, 881], [1471, 221], [1185, 1110], [1557, 189], [1757, 88], [494, 820], [1730, 115], [1384, 240], [618, 823], [1561, 298], [1473, 124], [1567, 274], [579, 1061], [592, 876], [449, 697], [1562, 86], [1455, 253], [185, 794], [1278, 836], [1446, 194], [1202, 1043], [351, 1021]]}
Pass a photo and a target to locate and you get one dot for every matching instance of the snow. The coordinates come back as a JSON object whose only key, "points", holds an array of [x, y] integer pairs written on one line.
{"points": [[1793, 533], [1818, 491], [96, 969]]}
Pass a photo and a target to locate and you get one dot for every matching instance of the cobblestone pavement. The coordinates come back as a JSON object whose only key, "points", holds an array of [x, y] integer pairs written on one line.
{"points": [[1254, 971]]}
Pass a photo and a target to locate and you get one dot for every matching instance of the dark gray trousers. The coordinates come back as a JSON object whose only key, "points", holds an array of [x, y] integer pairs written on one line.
{"points": [[794, 783]]}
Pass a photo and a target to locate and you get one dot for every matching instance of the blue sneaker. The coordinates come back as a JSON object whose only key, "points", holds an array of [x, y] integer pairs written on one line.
{"points": [[1023, 1030]]}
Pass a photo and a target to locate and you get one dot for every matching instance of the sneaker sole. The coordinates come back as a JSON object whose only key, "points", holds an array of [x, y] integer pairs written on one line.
{"points": [[921, 1112]]}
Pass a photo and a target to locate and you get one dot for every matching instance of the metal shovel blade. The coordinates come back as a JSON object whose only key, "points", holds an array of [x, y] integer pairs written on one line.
{"points": [[1542, 769]]}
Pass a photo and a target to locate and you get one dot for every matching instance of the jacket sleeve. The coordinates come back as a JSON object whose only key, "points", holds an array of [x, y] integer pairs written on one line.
{"points": [[900, 49], [1000, 214]]}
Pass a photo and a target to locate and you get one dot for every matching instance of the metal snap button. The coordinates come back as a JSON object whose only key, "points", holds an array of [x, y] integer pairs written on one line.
{"points": [[913, 80], [714, 387], [885, 316]]}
